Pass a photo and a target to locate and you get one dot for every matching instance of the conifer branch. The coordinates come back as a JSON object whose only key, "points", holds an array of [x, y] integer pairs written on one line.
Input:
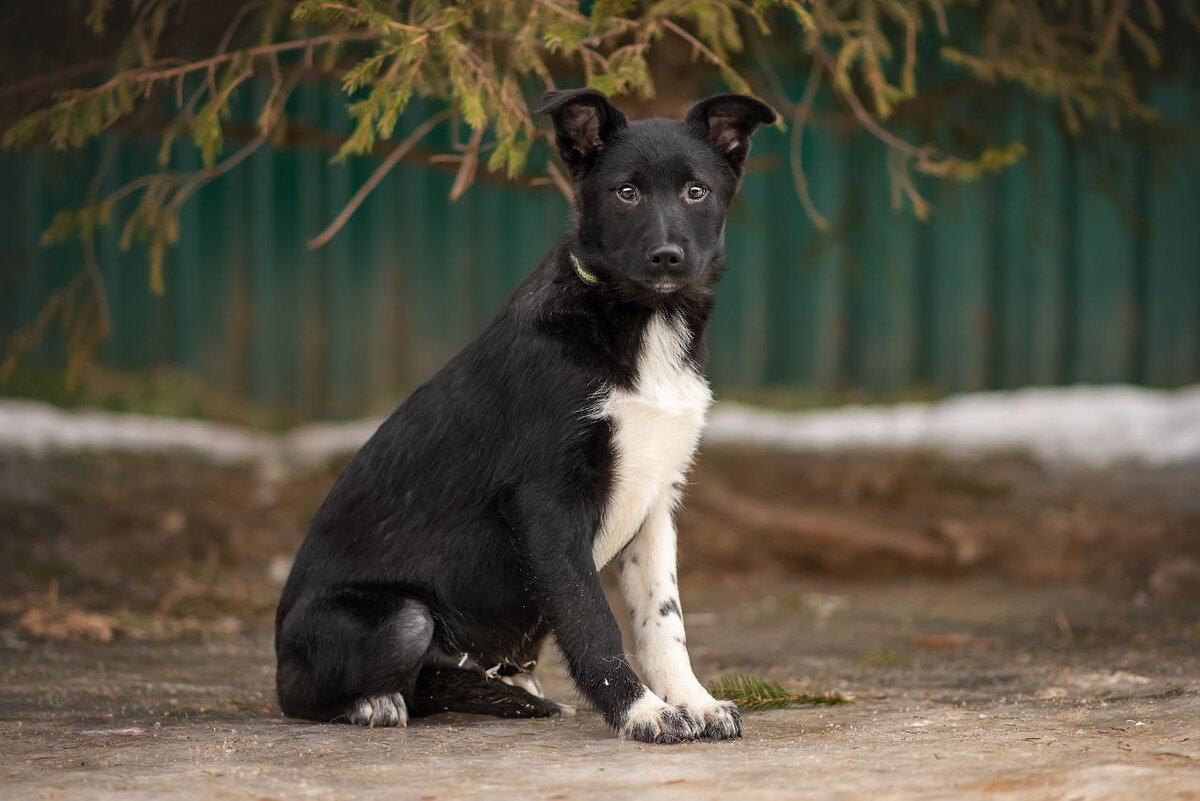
{"points": [[753, 693], [473, 61], [161, 73]]}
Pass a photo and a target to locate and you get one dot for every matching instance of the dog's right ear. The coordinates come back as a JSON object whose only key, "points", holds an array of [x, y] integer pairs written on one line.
{"points": [[584, 121]]}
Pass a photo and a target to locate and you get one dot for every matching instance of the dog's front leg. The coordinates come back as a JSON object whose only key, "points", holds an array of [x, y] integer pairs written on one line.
{"points": [[647, 568], [558, 551]]}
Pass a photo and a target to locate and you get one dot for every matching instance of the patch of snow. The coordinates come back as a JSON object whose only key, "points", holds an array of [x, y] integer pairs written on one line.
{"points": [[314, 443], [40, 428], [1081, 425], [1092, 426]]}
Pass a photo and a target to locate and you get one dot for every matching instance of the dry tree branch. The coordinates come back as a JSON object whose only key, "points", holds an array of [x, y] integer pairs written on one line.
{"points": [[91, 260], [699, 46], [235, 23], [900, 151], [469, 163], [279, 94], [154, 75], [20, 342], [800, 117], [1109, 39], [767, 68], [382, 170], [921, 154], [394, 24], [566, 12], [205, 176], [939, 13], [52, 78], [560, 181]]}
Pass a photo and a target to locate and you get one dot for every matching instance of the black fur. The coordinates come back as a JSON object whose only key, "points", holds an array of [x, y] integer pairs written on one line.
{"points": [[440, 689], [461, 533]]}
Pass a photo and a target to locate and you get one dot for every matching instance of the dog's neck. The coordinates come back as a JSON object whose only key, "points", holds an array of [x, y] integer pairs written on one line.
{"points": [[608, 322]]}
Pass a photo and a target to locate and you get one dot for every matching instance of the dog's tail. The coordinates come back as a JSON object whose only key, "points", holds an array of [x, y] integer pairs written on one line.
{"points": [[460, 690]]}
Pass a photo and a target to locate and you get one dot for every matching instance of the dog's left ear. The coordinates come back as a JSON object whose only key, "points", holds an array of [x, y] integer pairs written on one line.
{"points": [[583, 122], [727, 122]]}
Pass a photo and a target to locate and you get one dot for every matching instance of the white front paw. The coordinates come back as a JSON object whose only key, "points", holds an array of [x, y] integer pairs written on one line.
{"points": [[720, 720], [651, 720]]}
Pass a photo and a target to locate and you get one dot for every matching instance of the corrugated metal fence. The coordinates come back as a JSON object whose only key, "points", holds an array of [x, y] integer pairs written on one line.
{"points": [[1082, 264]]}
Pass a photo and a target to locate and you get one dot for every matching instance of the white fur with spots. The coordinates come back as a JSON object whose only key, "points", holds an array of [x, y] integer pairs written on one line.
{"points": [[656, 428]]}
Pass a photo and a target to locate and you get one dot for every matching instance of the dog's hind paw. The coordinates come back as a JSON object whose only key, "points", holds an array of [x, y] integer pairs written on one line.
{"points": [[527, 682], [379, 710], [651, 720]]}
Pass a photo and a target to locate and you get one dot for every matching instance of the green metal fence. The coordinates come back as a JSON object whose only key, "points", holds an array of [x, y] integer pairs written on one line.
{"points": [[1082, 264]]}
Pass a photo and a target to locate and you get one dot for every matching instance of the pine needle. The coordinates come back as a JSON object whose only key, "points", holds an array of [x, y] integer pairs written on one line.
{"points": [[754, 693]]}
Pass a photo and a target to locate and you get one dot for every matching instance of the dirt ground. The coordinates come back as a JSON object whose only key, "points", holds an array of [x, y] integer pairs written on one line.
{"points": [[1004, 631], [961, 690], [154, 547]]}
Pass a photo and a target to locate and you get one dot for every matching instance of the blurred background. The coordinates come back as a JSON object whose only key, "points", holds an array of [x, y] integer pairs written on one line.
{"points": [[1075, 263], [285, 214], [951, 476]]}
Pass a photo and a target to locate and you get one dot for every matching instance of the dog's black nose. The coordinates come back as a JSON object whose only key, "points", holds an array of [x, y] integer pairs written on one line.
{"points": [[666, 256]]}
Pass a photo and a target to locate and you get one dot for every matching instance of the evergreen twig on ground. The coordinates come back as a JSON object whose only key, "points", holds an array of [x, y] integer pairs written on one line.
{"points": [[752, 693]]}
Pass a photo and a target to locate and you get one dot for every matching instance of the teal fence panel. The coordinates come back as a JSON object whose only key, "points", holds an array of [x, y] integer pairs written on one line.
{"points": [[1080, 264]]}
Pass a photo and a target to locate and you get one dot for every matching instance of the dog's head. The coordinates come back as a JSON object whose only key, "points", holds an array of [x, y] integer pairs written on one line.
{"points": [[652, 194]]}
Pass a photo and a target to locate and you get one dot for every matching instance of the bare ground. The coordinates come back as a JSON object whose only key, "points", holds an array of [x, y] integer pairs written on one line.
{"points": [[1005, 632], [170, 546], [961, 690]]}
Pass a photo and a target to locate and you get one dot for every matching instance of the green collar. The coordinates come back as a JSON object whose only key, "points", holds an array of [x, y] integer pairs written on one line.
{"points": [[585, 275]]}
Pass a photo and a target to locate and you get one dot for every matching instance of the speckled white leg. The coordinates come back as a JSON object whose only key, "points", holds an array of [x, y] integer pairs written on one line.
{"points": [[648, 582]]}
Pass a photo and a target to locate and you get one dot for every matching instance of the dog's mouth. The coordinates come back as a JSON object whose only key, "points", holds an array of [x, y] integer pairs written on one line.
{"points": [[665, 286]]}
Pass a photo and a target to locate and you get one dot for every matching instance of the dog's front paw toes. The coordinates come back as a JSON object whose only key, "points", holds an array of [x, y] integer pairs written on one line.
{"points": [[379, 710], [722, 721], [650, 720]]}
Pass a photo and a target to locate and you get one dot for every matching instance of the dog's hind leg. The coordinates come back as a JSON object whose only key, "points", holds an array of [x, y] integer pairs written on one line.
{"points": [[351, 658], [391, 662], [441, 689]]}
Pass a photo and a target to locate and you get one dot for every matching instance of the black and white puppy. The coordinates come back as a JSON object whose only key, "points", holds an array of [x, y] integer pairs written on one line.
{"points": [[475, 521]]}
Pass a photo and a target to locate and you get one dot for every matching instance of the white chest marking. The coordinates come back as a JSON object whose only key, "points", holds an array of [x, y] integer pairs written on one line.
{"points": [[656, 427]]}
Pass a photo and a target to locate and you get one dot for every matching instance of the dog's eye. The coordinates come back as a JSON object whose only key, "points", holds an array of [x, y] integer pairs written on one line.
{"points": [[697, 192], [627, 192]]}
